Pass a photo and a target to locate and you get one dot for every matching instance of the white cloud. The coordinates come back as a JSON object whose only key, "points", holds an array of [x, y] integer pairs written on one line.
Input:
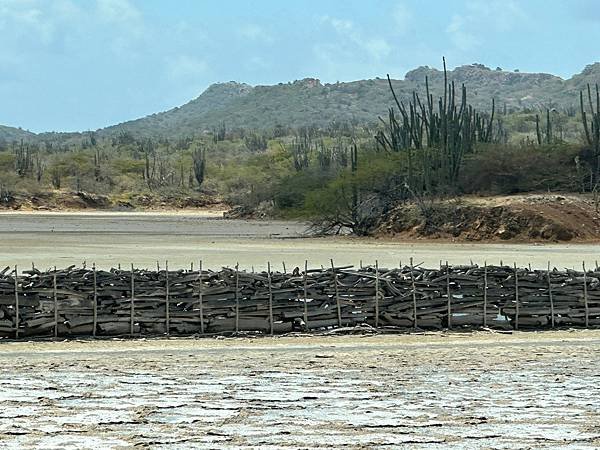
{"points": [[468, 29], [403, 18], [378, 47], [118, 11], [375, 47], [26, 18], [459, 34], [185, 67], [256, 33]]}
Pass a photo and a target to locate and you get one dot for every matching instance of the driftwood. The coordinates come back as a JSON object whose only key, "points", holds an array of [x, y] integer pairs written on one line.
{"points": [[81, 301]]}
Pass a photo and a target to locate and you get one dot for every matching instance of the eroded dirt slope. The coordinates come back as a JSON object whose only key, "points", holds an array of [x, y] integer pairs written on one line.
{"points": [[515, 218]]}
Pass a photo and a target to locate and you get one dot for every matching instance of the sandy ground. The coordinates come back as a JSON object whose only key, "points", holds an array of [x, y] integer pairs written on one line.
{"points": [[433, 391], [426, 391], [62, 239]]}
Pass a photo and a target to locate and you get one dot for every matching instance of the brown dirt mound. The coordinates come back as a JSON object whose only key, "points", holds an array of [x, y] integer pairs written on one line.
{"points": [[522, 218], [66, 200]]}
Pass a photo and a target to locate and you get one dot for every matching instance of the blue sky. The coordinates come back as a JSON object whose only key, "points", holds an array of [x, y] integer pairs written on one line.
{"points": [[84, 64]]}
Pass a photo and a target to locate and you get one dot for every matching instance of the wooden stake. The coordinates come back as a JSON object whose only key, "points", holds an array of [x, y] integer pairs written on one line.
{"points": [[305, 293], [414, 294], [131, 304], [200, 293], [376, 294], [16, 303], [485, 289], [284, 271], [237, 299], [271, 325], [167, 306], [449, 295], [95, 304], [54, 295], [551, 297], [585, 297], [516, 297], [337, 294]]}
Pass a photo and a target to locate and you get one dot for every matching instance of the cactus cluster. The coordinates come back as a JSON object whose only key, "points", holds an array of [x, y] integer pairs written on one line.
{"points": [[435, 135]]}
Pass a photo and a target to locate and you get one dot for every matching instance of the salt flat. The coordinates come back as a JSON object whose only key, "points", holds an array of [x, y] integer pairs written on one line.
{"points": [[425, 391], [62, 239]]}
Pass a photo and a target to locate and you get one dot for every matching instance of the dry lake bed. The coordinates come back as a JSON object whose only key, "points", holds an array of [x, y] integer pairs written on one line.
{"points": [[434, 391], [424, 391], [109, 239]]}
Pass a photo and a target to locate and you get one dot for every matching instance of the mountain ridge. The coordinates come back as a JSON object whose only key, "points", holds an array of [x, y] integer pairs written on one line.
{"points": [[310, 102]]}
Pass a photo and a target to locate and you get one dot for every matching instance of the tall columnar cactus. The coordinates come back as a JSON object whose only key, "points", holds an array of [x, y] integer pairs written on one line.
{"points": [[23, 159], [591, 129], [301, 148], [354, 168], [199, 157], [435, 137]]}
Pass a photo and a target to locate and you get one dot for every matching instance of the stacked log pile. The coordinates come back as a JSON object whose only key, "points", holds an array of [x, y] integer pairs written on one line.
{"points": [[83, 301]]}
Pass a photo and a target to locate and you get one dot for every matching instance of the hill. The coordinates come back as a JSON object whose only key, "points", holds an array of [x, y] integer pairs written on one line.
{"points": [[308, 101], [10, 134]]}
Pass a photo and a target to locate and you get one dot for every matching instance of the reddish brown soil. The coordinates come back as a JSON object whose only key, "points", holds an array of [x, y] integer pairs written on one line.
{"points": [[519, 218]]}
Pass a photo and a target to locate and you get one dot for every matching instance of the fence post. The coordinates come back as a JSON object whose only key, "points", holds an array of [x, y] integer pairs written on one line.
{"points": [[16, 303], [271, 326], [516, 297], [585, 297], [414, 294], [131, 305], [167, 306], [337, 294], [449, 295], [200, 295], [237, 299], [485, 288], [551, 297], [54, 295], [376, 294], [305, 293], [95, 305]]}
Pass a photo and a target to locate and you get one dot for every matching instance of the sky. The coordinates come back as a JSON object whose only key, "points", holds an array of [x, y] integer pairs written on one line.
{"points": [[76, 65]]}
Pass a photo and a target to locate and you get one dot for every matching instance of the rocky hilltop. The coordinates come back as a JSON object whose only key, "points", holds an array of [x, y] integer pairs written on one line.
{"points": [[308, 101]]}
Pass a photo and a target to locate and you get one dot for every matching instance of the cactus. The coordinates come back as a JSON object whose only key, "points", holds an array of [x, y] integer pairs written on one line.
{"points": [[434, 137], [592, 136], [592, 129], [199, 157], [23, 159]]}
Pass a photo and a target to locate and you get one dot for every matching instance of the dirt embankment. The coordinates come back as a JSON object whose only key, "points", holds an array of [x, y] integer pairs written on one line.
{"points": [[60, 200], [523, 218]]}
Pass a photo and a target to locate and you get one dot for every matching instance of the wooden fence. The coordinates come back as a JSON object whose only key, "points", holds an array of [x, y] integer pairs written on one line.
{"points": [[83, 301]]}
